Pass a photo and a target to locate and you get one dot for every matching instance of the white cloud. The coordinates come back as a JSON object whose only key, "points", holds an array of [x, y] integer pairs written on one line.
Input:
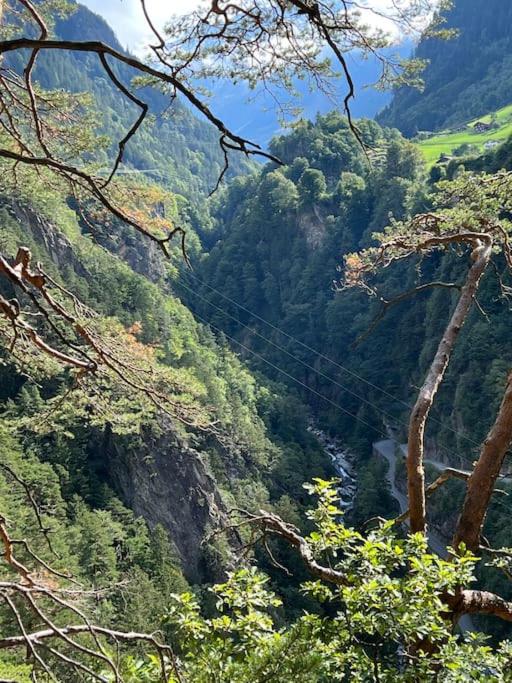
{"points": [[127, 20]]}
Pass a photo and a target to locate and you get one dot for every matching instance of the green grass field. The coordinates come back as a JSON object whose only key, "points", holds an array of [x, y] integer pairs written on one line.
{"points": [[446, 142]]}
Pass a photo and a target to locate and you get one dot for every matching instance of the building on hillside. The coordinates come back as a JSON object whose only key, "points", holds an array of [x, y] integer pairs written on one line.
{"points": [[482, 127], [491, 144], [424, 134], [444, 159]]}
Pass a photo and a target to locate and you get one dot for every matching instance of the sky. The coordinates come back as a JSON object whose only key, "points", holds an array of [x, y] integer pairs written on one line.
{"points": [[126, 18]]}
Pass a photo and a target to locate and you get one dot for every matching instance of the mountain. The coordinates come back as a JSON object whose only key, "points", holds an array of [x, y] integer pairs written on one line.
{"points": [[281, 235], [268, 281], [230, 384], [173, 147], [141, 456], [466, 76], [136, 491]]}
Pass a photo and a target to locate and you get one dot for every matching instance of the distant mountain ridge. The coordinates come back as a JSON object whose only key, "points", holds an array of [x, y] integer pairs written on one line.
{"points": [[257, 116]]}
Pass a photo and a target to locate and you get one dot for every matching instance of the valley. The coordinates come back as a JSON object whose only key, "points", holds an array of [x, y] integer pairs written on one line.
{"points": [[214, 348], [494, 128]]}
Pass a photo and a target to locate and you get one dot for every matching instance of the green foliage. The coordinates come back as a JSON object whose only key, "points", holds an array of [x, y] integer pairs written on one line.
{"points": [[474, 206], [293, 259], [387, 601], [15, 672], [312, 186], [372, 498], [103, 547]]}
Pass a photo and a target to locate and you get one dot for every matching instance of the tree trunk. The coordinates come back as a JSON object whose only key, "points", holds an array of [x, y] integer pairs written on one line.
{"points": [[415, 448], [483, 478]]}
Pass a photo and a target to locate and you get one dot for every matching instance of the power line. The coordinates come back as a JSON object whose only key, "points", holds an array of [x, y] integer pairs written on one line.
{"points": [[287, 374], [298, 341], [381, 412], [354, 374], [497, 502], [291, 355]]}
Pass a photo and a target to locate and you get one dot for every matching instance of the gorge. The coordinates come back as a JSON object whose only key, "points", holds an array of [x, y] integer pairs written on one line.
{"points": [[212, 353]]}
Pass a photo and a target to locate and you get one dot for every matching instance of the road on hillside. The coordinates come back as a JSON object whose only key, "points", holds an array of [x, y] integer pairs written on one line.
{"points": [[387, 450]]}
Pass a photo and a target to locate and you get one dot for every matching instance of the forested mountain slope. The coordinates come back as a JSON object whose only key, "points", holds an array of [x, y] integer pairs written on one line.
{"points": [[130, 492], [465, 77], [131, 489], [283, 234], [173, 146]]}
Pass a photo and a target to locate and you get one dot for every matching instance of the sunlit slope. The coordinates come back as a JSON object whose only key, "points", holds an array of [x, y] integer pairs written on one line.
{"points": [[446, 142]]}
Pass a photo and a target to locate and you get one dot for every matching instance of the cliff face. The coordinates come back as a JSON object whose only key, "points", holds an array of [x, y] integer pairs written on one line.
{"points": [[37, 231], [143, 256], [156, 473], [312, 226], [166, 482]]}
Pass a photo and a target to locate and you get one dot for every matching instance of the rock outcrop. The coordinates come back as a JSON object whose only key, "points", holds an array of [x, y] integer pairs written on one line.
{"points": [[167, 482]]}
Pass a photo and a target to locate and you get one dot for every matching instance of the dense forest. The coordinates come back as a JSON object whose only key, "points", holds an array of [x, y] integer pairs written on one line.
{"points": [[359, 380], [327, 203], [191, 380]]}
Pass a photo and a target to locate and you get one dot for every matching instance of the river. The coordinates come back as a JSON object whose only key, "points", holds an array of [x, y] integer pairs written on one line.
{"points": [[343, 463]]}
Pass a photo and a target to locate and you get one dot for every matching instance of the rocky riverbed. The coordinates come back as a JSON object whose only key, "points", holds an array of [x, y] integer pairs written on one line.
{"points": [[343, 464]]}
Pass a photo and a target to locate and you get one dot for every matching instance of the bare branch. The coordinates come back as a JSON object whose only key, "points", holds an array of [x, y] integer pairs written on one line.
{"points": [[135, 127], [386, 304], [40, 600]]}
